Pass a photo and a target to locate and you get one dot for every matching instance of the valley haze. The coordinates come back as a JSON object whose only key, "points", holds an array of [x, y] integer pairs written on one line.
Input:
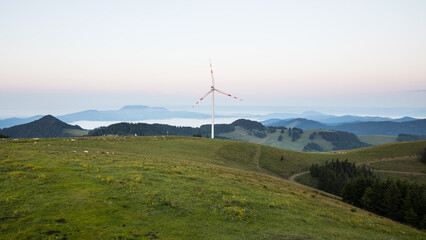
{"points": [[90, 119]]}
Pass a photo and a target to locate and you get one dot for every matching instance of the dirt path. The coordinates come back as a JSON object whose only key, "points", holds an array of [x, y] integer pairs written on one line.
{"points": [[292, 177], [256, 159], [257, 156], [408, 173], [409, 158]]}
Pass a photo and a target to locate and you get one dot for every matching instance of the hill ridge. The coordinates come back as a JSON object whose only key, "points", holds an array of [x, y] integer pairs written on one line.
{"points": [[47, 126]]}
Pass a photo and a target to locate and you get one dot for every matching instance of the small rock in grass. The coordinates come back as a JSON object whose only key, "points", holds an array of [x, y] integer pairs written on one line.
{"points": [[61, 220]]}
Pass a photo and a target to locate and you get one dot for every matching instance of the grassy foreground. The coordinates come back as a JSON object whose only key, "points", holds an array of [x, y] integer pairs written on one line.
{"points": [[171, 188]]}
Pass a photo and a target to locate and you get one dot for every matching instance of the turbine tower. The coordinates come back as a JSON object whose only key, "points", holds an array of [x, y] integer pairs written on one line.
{"points": [[212, 90]]}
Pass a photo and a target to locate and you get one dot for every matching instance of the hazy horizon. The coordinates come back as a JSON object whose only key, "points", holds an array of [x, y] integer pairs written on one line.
{"points": [[336, 57], [227, 110]]}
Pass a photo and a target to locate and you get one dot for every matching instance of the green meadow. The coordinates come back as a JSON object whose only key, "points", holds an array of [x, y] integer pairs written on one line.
{"points": [[178, 188], [377, 139]]}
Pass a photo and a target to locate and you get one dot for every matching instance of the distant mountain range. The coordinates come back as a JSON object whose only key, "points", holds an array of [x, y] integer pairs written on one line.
{"points": [[125, 114], [133, 113], [290, 136], [391, 128], [326, 118], [9, 122], [130, 113], [248, 131]]}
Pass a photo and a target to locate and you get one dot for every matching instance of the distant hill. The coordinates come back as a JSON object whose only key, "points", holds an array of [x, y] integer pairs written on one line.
{"points": [[417, 127], [9, 122], [248, 131], [330, 120], [299, 123], [133, 113], [390, 128], [297, 139], [145, 129], [47, 126], [353, 119], [248, 124], [410, 137], [126, 113], [130, 113]]}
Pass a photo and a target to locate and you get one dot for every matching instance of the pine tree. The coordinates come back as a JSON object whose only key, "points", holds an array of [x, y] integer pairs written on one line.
{"points": [[325, 181], [373, 198], [392, 202], [423, 157], [368, 199], [410, 217]]}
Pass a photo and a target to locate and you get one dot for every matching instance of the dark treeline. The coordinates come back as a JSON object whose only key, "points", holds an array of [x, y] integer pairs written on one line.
{"points": [[401, 201], [295, 133], [343, 140], [3, 136], [219, 128], [144, 129], [312, 147], [333, 176], [423, 157], [410, 137], [249, 124], [256, 128]]}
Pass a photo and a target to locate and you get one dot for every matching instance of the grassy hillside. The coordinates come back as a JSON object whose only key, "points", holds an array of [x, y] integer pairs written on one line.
{"points": [[287, 142], [74, 132], [393, 160], [175, 188], [377, 139]]}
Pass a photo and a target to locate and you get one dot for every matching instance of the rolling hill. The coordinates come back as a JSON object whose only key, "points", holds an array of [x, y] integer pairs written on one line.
{"points": [[9, 122], [47, 126], [301, 123], [417, 127], [248, 131], [297, 139], [389, 128], [177, 188], [132, 113]]}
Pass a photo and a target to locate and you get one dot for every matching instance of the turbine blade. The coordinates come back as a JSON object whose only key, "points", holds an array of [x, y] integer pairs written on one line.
{"points": [[201, 99], [229, 95], [211, 71]]}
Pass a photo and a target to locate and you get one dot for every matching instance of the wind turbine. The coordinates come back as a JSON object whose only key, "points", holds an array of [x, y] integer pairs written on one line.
{"points": [[212, 90]]}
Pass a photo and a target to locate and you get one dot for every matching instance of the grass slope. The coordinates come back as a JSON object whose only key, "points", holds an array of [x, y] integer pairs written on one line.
{"points": [[393, 160], [271, 139], [173, 188], [310, 140], [377, 139], [74, 132]]}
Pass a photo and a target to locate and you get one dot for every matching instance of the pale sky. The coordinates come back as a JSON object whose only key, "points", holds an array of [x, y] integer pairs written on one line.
{"points": [[66, 56]]}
